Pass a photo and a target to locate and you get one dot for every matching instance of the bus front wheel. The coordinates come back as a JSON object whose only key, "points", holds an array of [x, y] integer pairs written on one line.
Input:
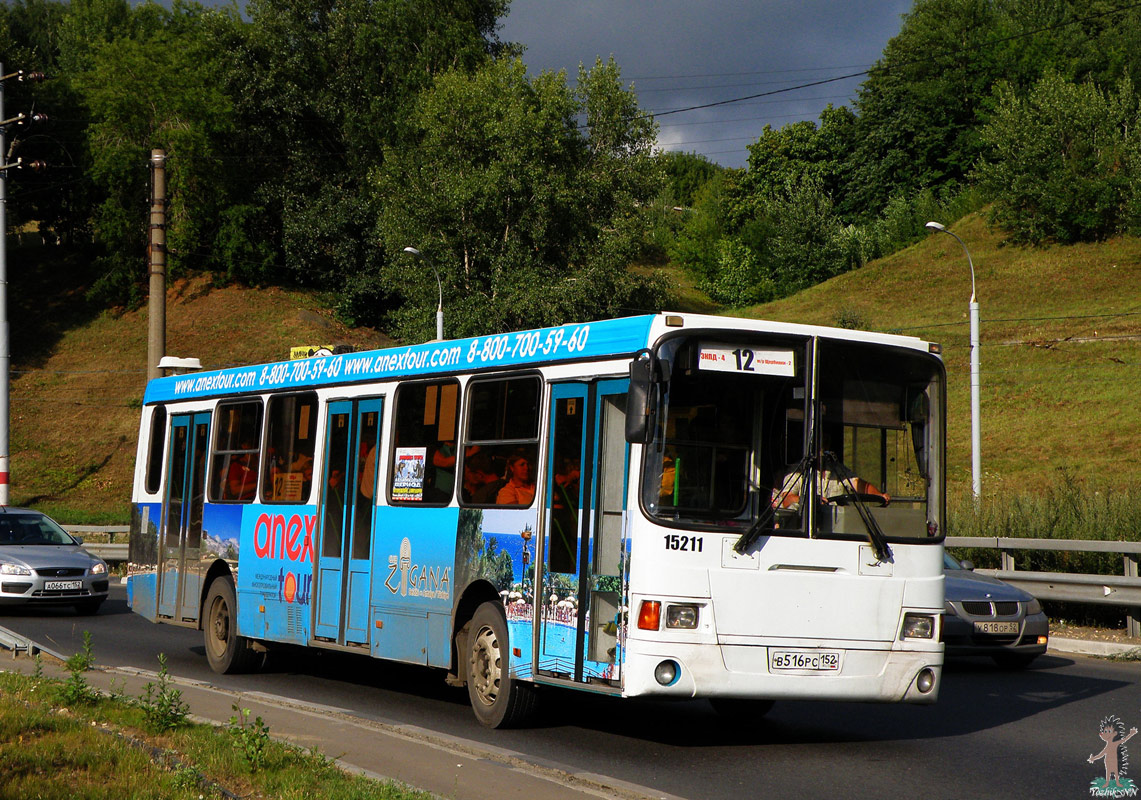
{"points": [[226, 651], [499, 701]]}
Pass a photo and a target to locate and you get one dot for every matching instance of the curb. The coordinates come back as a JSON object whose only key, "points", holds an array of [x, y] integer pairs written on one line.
{"points": [[440, 765], [1086, 647]]}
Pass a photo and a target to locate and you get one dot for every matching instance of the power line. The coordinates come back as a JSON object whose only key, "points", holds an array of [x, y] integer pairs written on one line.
{"points": [[906, 63]]}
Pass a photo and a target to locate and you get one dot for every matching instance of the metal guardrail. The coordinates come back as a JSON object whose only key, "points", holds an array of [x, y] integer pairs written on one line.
{"points": [[1112, 590], [112, 553]]}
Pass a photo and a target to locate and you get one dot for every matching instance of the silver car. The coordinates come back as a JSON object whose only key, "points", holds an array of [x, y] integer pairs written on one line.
{"points": [[985, 617], [42, 564]]}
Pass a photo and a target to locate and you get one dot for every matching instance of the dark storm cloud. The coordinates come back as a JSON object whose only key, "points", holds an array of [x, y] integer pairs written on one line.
{"points": [[680, 54]]}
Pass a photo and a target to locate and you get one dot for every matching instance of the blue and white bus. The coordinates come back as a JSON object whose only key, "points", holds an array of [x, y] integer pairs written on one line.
{"points": [[669, 505]]}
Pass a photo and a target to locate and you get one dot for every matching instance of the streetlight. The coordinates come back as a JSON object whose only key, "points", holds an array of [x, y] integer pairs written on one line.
{"points": [[976, 436], [439, 288]]}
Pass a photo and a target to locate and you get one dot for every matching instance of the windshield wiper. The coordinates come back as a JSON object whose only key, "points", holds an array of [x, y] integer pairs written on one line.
{"points": [[767, 516], [875, 532]]}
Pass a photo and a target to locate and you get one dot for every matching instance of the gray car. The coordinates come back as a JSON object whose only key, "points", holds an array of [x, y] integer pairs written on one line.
{"points": [[42, 564], [985, 617]]}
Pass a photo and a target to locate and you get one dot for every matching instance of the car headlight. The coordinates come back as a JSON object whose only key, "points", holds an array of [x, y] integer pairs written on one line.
{"points": [[14, 569], [1033, 607], [99, 568]]}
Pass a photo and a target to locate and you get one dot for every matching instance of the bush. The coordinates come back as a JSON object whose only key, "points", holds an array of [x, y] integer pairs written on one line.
{"points": [[1062, 162]]}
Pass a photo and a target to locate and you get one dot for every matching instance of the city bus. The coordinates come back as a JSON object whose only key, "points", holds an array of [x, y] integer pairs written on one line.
{"points": [[668, 505]]}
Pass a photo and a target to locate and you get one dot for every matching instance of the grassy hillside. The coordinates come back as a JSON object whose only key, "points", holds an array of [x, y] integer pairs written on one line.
{"points": [[78, 374], [1061, 359], [1060, 356]]}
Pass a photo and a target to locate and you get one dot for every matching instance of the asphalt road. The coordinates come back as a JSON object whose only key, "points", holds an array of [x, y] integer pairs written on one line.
{"points": [[992, 734]]}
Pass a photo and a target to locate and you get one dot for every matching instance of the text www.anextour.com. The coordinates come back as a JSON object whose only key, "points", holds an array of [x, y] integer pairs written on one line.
{"points": [[481, 351]]}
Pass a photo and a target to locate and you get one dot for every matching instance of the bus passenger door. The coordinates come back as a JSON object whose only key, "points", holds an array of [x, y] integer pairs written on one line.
{"points": [[581, 590], [179, 589], [352, 434]]}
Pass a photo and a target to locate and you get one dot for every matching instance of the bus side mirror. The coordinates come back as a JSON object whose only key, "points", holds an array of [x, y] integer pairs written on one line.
{"points": [[639, 400]]}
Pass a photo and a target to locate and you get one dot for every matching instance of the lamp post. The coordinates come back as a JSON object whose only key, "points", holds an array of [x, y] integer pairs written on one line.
{"points": [[976, 436], [439, 288]]}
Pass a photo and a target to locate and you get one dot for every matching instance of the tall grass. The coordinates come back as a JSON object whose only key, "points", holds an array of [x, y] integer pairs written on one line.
{"points": [[1068, 509]]}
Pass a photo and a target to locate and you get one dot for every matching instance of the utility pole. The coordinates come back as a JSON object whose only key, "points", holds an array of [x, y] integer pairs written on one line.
{"points": [[5, 359], [5, 349], [156, 256]]}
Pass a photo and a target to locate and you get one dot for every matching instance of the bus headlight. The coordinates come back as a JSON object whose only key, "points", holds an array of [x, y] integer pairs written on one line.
{"points": [[681, 617], [917, 626]]}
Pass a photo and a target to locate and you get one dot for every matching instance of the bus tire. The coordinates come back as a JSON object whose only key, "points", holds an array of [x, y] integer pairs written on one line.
{"points": [[226, 651], [498, 700]]}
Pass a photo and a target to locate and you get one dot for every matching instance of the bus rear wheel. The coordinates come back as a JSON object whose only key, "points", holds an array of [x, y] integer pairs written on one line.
{"points": [[498, 700], [226, 651]]}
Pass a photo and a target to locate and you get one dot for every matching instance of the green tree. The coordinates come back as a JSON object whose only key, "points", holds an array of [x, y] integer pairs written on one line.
{"points": [[524, 195], [322, 88], [921, 106], [685, 175], [1062, 161], [144, 78], [801, 152]]}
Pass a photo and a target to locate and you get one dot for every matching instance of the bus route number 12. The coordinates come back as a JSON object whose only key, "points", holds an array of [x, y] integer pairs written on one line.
{"points": [[745, 359]]}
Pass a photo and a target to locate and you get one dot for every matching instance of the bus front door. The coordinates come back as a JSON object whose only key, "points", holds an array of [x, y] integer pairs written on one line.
{"points": [[179, 578], [581, 591], [352, 435]]}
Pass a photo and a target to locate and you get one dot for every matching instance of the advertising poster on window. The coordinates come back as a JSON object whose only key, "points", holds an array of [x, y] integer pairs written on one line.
{"points": [[408, 474]]}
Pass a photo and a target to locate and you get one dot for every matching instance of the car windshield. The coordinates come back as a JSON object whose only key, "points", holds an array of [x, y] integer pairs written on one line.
{"points": [[31, 529], [950, 563]]}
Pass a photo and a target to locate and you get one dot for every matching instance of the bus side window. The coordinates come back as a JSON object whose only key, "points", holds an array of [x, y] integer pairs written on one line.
{"points": [[291, 427], [237, 451], [501, 442], [424, 458], [155, 450]]}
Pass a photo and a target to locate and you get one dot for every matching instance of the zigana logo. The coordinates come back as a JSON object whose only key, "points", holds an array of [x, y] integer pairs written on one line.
{"points": [[417, 580]]}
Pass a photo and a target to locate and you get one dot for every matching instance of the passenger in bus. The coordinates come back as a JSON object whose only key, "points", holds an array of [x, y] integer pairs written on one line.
{"points": [[335, 491], [520, 487], [367, 486], [241, 480], [668, 493], [444, 460], [834, 484], [480, 482]]}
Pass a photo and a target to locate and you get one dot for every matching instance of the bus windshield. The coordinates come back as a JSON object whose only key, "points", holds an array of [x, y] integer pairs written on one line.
{"points": [[762, 430]]}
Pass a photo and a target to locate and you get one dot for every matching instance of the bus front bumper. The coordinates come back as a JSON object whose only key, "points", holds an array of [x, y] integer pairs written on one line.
{"points": [[820, 671]]}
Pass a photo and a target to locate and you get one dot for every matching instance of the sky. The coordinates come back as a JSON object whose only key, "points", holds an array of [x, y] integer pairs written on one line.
{"points": [[683, 53]]}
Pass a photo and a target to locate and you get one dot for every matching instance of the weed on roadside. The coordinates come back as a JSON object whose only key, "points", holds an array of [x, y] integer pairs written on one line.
{"points": [[76, 690], [252, 737], [162, 705]]}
